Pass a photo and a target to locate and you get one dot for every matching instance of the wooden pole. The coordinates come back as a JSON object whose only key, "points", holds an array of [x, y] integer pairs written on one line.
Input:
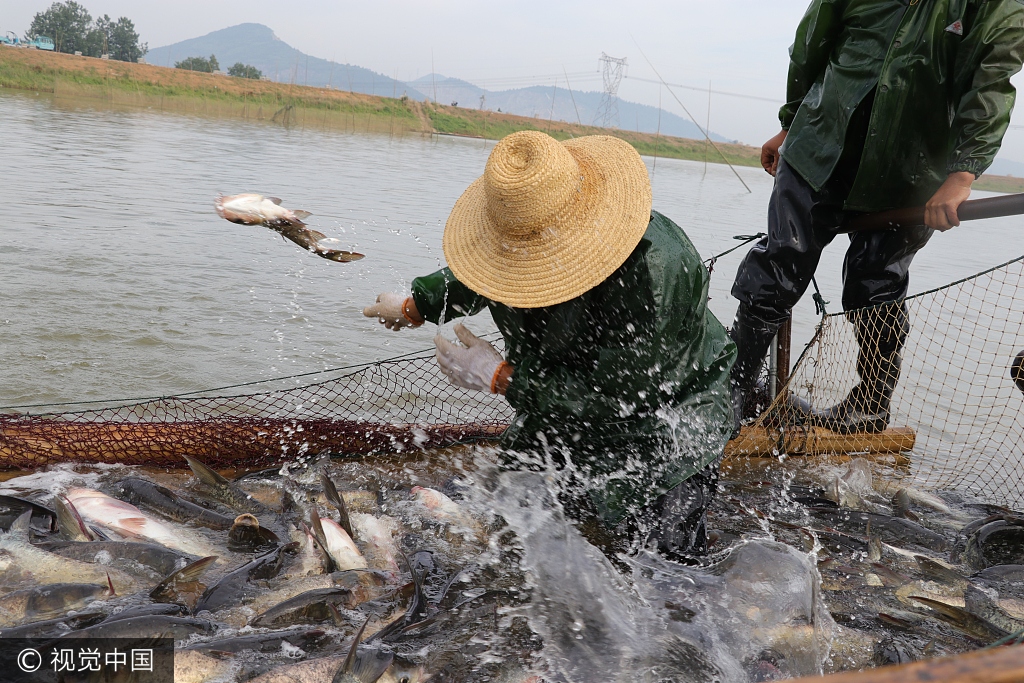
{"points": [[973, 210], [785, 336]]}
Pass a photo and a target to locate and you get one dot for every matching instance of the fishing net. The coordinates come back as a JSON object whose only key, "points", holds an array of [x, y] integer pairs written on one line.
{"points": [[953, 390], [388, 406], [957, 416]]}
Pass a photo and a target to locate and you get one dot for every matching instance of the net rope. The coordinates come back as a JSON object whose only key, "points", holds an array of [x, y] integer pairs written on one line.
{"points": [[951, 382], [953, 388]]}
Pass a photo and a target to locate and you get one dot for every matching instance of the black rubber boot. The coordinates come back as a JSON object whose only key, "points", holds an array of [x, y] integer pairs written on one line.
{"points": [[752, 336], [881, 332]]}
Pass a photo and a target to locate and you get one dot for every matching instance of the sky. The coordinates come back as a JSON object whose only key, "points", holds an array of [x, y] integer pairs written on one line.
{"points": [[733, 46]]}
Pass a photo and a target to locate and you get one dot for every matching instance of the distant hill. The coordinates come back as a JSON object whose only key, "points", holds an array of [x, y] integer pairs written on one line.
{"points": [[1007, 167], [257, 45], [537, 100]]}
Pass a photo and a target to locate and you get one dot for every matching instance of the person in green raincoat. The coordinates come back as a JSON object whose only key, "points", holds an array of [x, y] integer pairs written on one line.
{"points": [[615, 366], [890, 104]]}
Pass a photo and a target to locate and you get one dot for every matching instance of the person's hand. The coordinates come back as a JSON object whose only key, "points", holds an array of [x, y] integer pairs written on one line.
{"points": [[940, 213], [394, 311], [477, 365], [770, 152]]}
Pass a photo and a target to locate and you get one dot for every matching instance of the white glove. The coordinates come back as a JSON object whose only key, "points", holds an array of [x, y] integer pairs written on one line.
{"points": [[472, 366], [391, 310]]}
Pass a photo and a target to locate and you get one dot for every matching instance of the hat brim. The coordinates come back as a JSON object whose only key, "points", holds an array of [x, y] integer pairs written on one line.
{"points": [[562, 261]]}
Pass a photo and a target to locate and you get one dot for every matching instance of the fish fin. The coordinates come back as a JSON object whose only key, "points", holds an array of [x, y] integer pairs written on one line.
{"points": [[205, 474], [345, 256], [133, 525], [110, 587], [273, 200], [335, 614], [364, 669], [186, 574], [70, 522], [316, 234], [335, 499], [318, 535], [301, 215], [370, 665], [21, 525]]}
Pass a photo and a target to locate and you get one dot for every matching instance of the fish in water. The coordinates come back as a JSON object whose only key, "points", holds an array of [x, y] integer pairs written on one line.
{"points": [[128, 521], [255, 209]]}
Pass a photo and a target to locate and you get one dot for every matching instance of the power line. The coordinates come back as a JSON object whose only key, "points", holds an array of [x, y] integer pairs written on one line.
{"points": [[714, 92]]}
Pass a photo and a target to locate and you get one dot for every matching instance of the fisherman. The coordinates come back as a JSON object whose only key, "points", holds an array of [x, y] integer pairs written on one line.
{"points": [[615, 366], [890, 103]]}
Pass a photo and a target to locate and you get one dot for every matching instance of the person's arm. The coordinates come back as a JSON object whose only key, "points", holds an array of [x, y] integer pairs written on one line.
{"points": [[441, 292], [809, 54], [990, 54]]}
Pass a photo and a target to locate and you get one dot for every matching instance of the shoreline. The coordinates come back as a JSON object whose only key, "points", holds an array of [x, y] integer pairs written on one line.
{"points": [[177, 90], [190, 92]]}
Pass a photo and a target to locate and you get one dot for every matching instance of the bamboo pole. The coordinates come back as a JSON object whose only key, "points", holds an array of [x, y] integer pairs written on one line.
{"points": [[973, 210]]}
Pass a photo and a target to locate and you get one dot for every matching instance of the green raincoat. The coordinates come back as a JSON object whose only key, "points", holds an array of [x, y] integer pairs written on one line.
{"points": [[630, 380], [940, 71]]}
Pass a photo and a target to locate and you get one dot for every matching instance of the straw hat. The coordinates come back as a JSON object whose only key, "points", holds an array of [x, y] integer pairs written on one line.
{"points": [[548, 221]]}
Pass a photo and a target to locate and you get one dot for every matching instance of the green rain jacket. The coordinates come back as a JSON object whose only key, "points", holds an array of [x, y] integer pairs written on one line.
{"points": [[631, 379], [940, 70]]}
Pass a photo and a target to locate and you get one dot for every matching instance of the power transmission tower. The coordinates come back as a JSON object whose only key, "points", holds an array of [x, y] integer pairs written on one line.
{"points": [[608, 111]]}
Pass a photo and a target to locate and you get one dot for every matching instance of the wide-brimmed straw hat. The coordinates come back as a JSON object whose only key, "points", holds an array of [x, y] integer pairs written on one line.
{"points": [[548, 220]]}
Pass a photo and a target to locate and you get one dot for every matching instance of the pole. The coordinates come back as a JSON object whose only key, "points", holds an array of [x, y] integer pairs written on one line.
{"points": [[784, 338], [973, 210]]}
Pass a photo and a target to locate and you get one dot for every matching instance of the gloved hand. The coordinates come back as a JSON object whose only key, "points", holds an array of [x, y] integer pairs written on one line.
{"points": [[477, 365], [394, 311]]}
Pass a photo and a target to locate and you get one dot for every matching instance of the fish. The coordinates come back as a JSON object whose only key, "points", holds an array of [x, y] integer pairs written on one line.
{"points": [[51, 628], [255, 209], [235, 586], [146, 627], [362, 669], [313, 607], [270, 642], [46, 602], [12, 507], [182, 586], [134, 611], [139, 491], [444, 510], [126, 555], [338, 544], [246, 535], [128, 521], [998, 542], [335, 499], [1006, 614], [22, 564], [890, 529], [225, 491], [378, 541]]}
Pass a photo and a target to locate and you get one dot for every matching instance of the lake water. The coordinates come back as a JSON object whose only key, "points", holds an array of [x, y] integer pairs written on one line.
{"points": [[119, 280]]}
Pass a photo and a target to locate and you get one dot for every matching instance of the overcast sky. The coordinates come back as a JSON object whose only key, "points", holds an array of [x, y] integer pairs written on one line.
{"points": [[739, 46]]}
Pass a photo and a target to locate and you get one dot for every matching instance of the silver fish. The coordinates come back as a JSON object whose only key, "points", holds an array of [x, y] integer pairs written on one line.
{"points": [[255, 209]]}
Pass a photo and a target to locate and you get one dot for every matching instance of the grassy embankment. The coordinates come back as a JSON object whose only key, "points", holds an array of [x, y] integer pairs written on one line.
{"points": [[174, 90], [121, 84]]}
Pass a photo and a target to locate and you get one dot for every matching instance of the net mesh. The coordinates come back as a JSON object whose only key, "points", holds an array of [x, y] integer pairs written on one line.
{"points": [[945, 354], [380, 407], [951, 382]]}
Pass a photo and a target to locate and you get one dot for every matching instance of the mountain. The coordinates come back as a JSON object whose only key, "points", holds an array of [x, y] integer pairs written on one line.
{"points": [[575, 106], [257, 45]]}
